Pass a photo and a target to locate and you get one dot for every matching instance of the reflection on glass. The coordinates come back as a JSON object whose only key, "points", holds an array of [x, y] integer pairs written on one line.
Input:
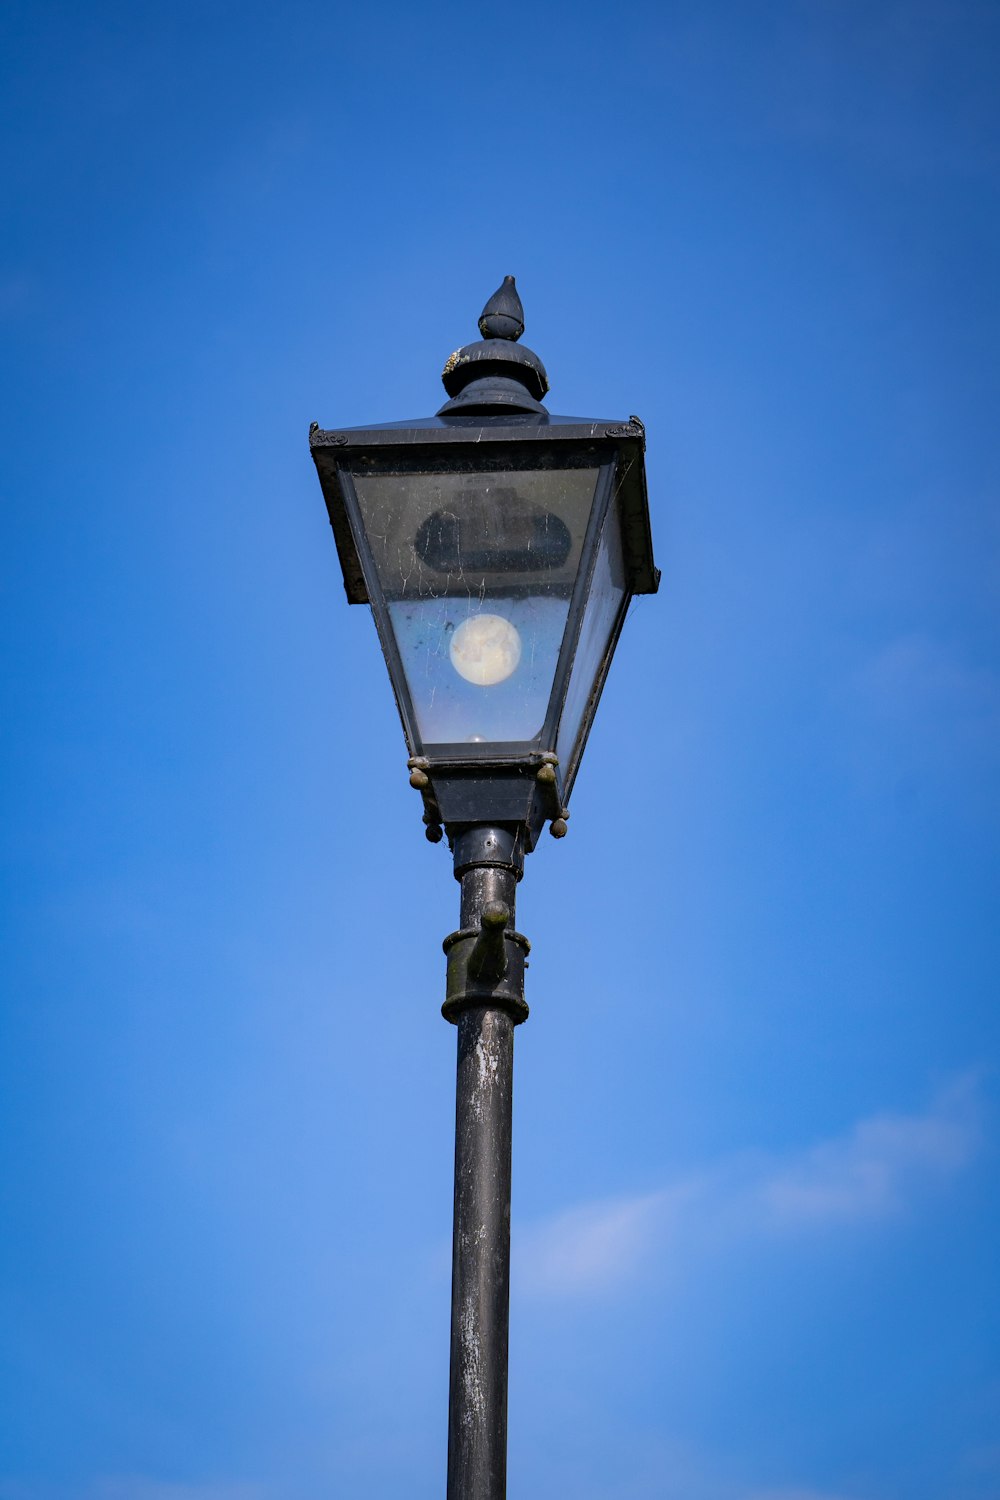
{"points": [[477, 571], [451, 705], [485, 649], [600, 619], [499, 531]]}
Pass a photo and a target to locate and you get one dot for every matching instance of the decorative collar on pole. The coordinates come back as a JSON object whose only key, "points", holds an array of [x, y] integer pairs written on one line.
{"points": [[497, 374]]}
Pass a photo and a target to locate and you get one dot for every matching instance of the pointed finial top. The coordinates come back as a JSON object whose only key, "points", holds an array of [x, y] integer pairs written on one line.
{"points": [[503, 315], [498, 374]]}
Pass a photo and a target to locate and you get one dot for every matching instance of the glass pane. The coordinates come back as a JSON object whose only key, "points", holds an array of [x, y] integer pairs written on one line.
{"points": [[600, 616], [477, 571]]}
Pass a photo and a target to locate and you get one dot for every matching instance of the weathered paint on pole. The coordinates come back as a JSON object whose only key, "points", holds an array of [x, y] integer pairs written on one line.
{"points": [[480, 1291], [486, 1001]]}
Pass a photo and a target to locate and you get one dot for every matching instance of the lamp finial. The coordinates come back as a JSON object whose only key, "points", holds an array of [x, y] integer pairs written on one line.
{"points": [[497, 374], [503, 315]]}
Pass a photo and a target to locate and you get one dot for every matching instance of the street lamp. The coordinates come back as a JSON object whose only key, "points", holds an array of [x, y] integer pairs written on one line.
{"points": [[498, 547]]}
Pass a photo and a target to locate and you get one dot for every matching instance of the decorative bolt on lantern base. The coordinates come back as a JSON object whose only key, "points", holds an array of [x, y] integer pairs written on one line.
{"points": [[499, 547]]}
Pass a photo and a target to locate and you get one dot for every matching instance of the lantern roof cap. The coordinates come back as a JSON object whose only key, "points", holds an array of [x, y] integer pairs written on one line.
{"points": [[496, 375], [459, 423]]}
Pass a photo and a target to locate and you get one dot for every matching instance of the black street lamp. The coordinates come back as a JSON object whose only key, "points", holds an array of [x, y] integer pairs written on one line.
{"points": [[498, 547]]}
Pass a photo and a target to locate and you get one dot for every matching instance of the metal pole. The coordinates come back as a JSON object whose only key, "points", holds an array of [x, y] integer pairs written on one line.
{"points": [[486, 1001]]}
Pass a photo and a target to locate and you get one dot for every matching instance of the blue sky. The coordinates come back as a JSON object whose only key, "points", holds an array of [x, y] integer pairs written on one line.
{"points": [[755, 1221]]}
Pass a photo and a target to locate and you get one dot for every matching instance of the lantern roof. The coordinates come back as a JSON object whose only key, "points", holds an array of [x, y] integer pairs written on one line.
{"points": [[429, 442]]}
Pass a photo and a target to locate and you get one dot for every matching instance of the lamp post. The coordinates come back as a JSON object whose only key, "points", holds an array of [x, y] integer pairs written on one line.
{"points": [[498, 547]]}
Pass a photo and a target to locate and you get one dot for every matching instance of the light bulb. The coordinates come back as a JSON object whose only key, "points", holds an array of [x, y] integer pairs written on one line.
{"points": [[485, 649]]}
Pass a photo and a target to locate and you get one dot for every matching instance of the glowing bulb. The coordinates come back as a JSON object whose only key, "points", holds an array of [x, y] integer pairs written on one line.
{"points": [[485, 649]]}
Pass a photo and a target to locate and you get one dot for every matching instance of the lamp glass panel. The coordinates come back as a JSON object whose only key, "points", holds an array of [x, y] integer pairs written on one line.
{"points": [[607, 596], [477, 571]]}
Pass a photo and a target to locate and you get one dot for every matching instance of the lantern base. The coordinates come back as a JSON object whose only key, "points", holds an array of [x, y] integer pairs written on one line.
{"points": [[525, 793]]}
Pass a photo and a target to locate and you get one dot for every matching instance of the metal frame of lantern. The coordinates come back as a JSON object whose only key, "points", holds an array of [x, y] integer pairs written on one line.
{"points": [[501, 781], [492, 797]]}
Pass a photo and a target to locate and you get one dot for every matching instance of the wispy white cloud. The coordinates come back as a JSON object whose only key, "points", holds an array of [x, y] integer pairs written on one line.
{"points": [[879, 1168], [919, 676], [670, 1470], [793, 1494], [137, 1488], [134, 1487], [667, 1468], [593, 1243], [917, 705]]}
